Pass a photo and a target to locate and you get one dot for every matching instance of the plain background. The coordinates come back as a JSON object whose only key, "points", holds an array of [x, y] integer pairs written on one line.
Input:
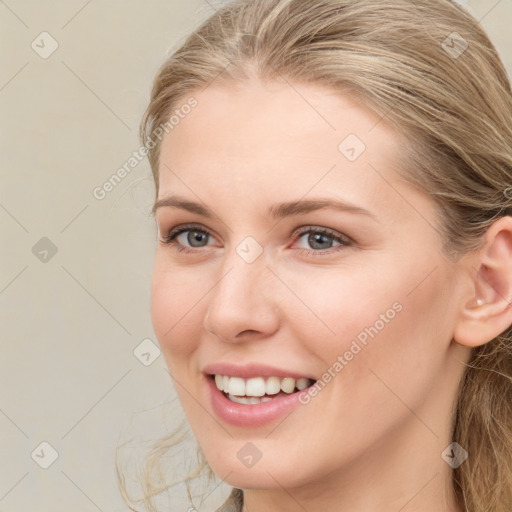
{"points": [[74, 270]]}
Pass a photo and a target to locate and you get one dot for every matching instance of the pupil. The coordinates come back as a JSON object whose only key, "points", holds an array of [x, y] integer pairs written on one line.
{"points": [[319, 241], [196, 238]]}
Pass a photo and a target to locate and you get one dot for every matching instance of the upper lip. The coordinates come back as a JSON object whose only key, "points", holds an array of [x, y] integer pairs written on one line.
{"points": [[250, 370]]}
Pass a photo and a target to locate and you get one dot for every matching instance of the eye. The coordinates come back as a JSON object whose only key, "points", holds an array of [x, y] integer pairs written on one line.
{"points": [[317, 239], [312, 239], [187, 237]]}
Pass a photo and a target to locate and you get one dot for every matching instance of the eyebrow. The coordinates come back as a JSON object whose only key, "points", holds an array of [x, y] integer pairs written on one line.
{"points": [[277, 211]]}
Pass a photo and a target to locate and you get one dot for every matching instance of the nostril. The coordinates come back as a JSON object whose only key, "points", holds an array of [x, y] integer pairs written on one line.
{"points": [[249, 332]]}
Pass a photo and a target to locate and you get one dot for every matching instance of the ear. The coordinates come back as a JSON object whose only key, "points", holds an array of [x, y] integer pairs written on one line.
{"points": [[486, 309]]}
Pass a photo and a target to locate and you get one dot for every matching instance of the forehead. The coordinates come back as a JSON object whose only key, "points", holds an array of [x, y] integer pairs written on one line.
{"points": [[258, 139]]}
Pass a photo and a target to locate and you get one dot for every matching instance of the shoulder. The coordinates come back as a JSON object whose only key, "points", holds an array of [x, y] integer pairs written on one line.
{"points": [[234, 502]]}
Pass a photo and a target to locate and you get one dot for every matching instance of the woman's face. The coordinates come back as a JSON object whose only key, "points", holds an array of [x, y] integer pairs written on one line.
{"points": [[302, 254]]}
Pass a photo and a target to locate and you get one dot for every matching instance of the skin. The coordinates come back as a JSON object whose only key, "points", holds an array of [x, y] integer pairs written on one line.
{"points": [[372, 438]]}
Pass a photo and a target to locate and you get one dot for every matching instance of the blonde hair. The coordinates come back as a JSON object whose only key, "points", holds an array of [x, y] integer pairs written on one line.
{"points": [[426, 67]]}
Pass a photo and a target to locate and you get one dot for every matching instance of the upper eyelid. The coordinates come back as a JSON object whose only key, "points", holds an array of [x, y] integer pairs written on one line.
{"points": [[329, 231], [183, 228]]}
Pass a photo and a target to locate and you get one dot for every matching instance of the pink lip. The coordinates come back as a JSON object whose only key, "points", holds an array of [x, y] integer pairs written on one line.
{"points": [[250, 370], [243, 415]]}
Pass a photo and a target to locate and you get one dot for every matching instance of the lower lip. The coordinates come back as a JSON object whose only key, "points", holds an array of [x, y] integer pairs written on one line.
{"points": [[244, 415]]}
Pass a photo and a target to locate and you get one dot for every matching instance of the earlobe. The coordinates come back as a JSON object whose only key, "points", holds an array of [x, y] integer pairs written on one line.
{"points": [[486, 311]]}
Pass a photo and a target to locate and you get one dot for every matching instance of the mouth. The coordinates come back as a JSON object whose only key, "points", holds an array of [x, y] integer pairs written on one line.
{"points": [[258, 390]]}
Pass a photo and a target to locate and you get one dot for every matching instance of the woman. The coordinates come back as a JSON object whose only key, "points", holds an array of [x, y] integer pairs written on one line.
{"points": [[333, 274]]}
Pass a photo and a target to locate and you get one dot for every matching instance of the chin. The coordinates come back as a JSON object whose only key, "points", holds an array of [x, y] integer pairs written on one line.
{"points": [[261, 478], [274, 472]]}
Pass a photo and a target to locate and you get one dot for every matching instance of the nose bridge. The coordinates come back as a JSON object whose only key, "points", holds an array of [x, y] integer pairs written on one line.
{"points": [[241, 299], [244, 268]]}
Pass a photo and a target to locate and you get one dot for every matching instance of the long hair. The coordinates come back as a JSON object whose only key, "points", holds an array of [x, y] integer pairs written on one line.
{"points": [[428, 68]]}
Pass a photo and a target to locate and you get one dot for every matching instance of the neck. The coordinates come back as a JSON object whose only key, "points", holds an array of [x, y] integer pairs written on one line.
{"points": [[405, 473]]}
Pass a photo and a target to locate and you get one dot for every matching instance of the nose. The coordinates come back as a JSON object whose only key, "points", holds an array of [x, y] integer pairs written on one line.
{"points": [[243, 305]]}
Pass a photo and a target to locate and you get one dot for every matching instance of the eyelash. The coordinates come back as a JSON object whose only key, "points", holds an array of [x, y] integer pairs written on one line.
{"points": [[343, 240]]}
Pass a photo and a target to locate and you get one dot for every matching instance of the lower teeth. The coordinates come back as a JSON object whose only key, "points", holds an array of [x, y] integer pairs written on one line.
{"points": [[253, 400]]}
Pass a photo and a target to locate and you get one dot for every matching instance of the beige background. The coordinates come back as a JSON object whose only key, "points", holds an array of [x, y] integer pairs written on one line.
{"points": [[70, 321]]}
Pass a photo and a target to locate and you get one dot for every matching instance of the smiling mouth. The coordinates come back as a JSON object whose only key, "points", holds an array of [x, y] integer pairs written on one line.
{"points": [[257, 390]]}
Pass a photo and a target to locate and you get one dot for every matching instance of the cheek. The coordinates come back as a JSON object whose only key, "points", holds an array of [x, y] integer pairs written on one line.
{"points": [[394, 322], [337, 305], [407, 358], [177, 303]]}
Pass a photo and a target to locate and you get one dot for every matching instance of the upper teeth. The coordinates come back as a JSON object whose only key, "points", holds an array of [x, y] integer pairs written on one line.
{"points": [[259, 386]]}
